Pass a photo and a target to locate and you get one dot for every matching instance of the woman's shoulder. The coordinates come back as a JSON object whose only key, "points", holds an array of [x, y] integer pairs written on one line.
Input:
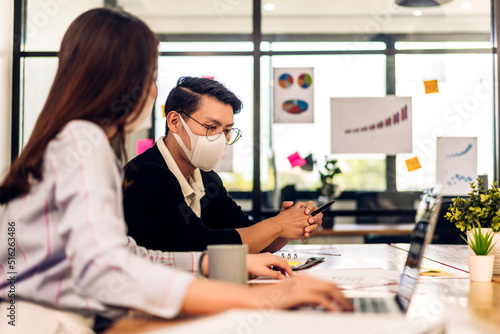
{"points": [[87, 129], [81, 137]]}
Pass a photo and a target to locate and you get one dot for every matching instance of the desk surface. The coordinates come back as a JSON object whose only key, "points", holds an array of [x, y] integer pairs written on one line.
{"points": [[464, 306], [367, 229]]}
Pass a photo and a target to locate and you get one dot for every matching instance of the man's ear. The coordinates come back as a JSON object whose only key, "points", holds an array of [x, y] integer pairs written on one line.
{"points": [[173, 121]]}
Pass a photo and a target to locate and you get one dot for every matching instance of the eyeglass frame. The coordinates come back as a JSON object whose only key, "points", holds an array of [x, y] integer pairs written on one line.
{"points": [[226, 132]]}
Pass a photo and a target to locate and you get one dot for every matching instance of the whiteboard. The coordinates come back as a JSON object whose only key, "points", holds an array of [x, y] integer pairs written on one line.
{"points": [[456, 164], [371, 125]]}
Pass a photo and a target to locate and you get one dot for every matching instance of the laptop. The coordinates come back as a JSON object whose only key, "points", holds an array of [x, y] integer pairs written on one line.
{"points": [[425, 223]]}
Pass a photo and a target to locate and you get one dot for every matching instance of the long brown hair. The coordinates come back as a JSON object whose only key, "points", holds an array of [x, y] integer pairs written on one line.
{"points": [[107, 63]]}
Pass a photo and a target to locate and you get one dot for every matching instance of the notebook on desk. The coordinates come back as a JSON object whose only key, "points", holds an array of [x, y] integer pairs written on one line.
{"points": [[425, 223]]}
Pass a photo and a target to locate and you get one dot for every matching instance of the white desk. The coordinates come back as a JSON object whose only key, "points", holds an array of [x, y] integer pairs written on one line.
{"points": [[464, 307]]}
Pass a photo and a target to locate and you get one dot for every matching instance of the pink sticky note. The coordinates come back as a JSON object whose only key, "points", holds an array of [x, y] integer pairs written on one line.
{"points": [[142, 145], [296, 160]]}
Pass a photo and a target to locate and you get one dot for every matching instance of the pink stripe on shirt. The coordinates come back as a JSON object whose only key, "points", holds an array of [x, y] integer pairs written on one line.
{"points": [[86, 195], [47, 229]]}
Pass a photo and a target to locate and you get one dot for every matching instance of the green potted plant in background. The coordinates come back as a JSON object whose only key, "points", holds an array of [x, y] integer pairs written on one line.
{"points": [[481, 209], [481, 263], [329, 190]]}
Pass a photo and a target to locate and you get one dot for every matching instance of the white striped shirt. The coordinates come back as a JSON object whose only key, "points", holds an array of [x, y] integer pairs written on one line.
{"points": [[71, 247]]}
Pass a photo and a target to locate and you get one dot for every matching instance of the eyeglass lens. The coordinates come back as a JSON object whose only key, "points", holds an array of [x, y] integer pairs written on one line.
{"points": [[215, 130]]}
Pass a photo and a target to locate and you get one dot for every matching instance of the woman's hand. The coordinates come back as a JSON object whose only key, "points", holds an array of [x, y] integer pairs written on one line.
{"points": [[260, 265], [208, 296], [300, 290]]}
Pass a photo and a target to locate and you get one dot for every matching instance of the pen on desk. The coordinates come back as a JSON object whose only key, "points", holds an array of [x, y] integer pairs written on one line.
{"points": [[323, 208]]}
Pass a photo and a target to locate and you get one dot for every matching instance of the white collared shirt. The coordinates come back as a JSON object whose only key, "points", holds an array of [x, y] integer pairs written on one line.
{"points": [[192, 188]]}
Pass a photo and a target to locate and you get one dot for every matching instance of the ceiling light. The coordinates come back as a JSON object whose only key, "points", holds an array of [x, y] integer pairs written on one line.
{"points": [[269, 7], [421, 3], [466, 5], [417, 12]]}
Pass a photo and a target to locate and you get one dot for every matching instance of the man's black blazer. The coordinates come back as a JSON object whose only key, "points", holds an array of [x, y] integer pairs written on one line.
{"points": [[158, 218]]}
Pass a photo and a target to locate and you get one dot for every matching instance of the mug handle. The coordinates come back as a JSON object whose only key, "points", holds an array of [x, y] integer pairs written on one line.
{"points": [[200, 263]]}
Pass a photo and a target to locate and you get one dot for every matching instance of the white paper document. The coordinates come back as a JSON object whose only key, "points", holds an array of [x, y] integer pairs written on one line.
{"points": [[354, 277], [347, 277]]}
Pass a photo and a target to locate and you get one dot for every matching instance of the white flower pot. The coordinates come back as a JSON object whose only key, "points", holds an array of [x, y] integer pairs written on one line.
{"points": [[495, 251], [480, 267]]}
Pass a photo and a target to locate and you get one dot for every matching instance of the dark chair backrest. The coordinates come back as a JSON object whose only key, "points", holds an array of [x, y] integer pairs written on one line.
{"points": [[386, 201], [378, 201]]}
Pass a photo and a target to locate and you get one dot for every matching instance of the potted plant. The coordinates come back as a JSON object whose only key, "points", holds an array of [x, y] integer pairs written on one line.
{"points": [[329, 189], [481, 263], [481, 209]]}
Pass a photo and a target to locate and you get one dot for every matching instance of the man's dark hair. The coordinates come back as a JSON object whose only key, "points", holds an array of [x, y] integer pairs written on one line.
{"points": [[186, 96]]}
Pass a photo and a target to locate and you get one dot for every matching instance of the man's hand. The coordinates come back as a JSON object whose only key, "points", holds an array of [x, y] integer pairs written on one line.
{"points": [[293, 221], [314, 222]]}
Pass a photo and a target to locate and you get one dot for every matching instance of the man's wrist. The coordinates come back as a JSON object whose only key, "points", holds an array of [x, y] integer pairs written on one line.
{"points": [[276, 226]]}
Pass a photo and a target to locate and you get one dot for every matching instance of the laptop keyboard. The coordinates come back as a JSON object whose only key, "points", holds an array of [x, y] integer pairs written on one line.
{"points": [[369, 305]]}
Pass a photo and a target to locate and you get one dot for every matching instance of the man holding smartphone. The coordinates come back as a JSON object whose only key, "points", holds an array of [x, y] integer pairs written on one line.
{"points": [[174, 201]]}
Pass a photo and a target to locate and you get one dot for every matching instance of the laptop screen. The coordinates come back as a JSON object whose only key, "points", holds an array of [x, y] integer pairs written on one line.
{"points": [[425, 221]]}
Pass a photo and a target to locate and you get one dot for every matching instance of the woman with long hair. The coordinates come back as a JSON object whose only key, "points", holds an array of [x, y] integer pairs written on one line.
{"points": [[66, 257]]}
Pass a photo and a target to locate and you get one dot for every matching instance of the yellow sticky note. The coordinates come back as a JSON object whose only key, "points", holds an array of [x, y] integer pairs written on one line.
{"points": [[412, 164], [163, 111], [293, 263], [435, 273], [431, 86]]}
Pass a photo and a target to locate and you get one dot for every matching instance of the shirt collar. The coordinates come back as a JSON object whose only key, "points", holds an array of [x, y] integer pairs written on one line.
{"points": [[195, 184]]}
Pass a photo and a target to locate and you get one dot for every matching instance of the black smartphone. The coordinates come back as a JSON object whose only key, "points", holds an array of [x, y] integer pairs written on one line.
{"points": [[323, 208]]}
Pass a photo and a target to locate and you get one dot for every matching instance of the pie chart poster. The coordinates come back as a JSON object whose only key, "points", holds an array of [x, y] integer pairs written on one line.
{"points": [[293, 95]]}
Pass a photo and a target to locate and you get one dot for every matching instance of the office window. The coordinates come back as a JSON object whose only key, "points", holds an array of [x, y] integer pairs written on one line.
{"points": [[462, 108], [357, 49], [47, 21], [40, 73], [193, 17], [335, 76]]}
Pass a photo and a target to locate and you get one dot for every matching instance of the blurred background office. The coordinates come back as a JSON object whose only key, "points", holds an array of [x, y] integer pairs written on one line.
{"points": [[363, 48]]}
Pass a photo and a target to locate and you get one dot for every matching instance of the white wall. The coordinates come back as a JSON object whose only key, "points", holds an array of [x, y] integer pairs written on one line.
{"points": [[6, 30]]}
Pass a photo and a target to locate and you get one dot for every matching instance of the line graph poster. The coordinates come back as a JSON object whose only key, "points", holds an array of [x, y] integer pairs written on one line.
{"points": [[293, 95], [371, 125], [456, 164]]}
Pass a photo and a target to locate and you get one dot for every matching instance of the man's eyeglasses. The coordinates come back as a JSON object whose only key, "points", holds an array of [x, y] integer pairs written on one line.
{"points": [[215, 130]]}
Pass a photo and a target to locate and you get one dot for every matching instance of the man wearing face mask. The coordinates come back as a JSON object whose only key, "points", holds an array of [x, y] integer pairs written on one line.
{"points": [[175, 202]]}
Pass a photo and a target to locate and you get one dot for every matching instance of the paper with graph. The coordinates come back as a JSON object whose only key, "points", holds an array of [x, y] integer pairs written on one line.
{"points": [[371, 125], [456, 164]]}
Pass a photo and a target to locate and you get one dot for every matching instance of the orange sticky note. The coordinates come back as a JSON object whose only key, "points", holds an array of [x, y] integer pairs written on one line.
{"points": [[431, 86], [412, 164], [163, 111]]}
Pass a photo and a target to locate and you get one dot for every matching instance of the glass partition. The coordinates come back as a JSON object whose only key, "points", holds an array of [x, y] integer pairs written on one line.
{"points": [[360, 48]]}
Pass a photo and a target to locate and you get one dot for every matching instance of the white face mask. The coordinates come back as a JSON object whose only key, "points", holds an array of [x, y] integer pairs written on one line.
{"points": [[204, 154]]}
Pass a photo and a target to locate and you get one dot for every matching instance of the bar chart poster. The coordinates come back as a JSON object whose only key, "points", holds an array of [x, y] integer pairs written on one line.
{"points": [[371, 125], [456, 164], [293, 95]]}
